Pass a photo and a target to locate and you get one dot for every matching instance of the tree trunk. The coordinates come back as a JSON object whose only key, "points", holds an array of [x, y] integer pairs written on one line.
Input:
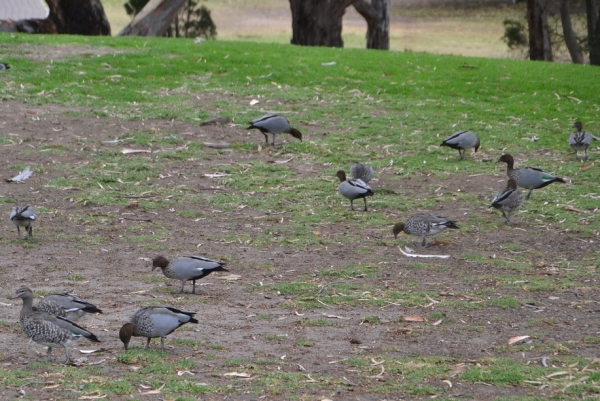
{"points": [[78, 17], [570, 37], [540, 47], [377, 15], [318, 22], [593, 29], [154, 19]]}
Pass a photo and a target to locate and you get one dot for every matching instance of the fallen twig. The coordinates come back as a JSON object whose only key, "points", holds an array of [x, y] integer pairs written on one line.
{"points": [[423, 256]]}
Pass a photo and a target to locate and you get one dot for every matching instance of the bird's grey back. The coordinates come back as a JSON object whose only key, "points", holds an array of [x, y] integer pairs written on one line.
{"points": [[157, 321], [362, 172], [463, 139], [272, 123]]}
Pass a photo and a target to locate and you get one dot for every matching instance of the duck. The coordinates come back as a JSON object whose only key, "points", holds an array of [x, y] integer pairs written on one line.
{"points": [[154, 321], [49, 330], [528, 177], [360, 171], [66, 305], [24, 216], [581, 140], [508, 200], [353, 189], [274, 124], [462, 140], [187, 268], [424, 225]]}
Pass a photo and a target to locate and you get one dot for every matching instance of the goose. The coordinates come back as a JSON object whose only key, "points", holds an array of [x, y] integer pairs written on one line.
{"points": [[424, 225], [187, 268], [508, 200], [528, 177], [66, 305], [24, 216], [154, 321], [581, 140], [49, 330], [274, 124], [353, 189], [462, 140], [4, 66], [360, 171]]}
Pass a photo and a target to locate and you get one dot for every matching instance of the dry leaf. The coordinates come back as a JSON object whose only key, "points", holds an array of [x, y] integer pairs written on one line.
{"points": [[461, 368], [335, 316], [517, 339], [88, 351], [281, 161], [92, 397], [561, 373], [157, 391], [413, 318], [448, 382], [414, 255], [572, 209], [317, 233], [253, 102], [216, 145], [586, 166], [130, 151], [380, 374], [236, 374], [437, 323], [231, 277], [183, 372]]}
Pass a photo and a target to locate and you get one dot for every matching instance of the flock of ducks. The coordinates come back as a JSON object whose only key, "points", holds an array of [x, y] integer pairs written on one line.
{"points": [[507, 200], [52, 322]]}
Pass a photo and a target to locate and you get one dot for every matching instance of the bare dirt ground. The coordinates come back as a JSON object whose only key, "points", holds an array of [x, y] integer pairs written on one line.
{"points": [[230, 311]]}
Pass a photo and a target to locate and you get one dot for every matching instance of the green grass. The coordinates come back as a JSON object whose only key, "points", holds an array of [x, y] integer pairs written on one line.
{"points": [[388, 108]]}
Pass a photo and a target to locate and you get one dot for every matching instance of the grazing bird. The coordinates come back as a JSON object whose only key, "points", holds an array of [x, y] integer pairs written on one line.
{"points": [[353, 189], [462, 140], [154, 321], [581, 140], [528, 177], [187, 268], [66, 305], [49, 330], [24, 216], [274, 124], [508, 200], [4, 66], [424, 225], [360, 171]]}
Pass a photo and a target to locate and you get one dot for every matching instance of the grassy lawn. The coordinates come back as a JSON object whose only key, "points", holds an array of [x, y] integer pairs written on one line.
{"points": [[391, 109]]}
